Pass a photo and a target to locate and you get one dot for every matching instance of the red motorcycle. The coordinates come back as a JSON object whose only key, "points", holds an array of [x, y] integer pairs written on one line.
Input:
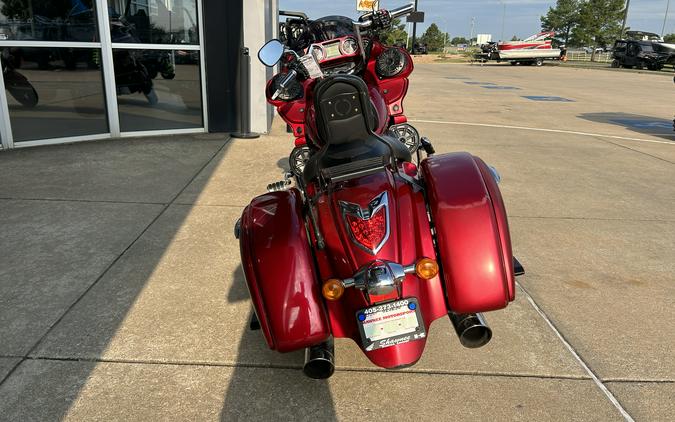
{"points": [[378, 237]]}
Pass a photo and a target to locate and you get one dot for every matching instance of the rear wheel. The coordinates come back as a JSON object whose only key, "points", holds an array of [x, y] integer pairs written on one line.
{"points": [[616, 64], [539, 62], [513, 63]]}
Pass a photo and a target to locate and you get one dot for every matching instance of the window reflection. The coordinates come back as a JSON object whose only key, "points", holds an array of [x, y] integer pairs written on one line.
{"points": [[54, 92], [154, 21], [158, 89], [48, 20]]}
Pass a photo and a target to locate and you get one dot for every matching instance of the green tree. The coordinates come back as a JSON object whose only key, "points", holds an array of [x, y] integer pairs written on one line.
{"points": [[459, 40], [562, 19], [396, 34], [515, 38], [599, 23], [433, 38], [669, 38]]}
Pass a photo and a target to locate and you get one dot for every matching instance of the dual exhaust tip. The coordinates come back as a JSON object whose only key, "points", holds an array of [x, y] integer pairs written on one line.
{"points": [[472, 331]]}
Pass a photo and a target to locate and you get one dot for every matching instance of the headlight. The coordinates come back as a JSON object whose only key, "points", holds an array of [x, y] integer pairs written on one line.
{"points": [[391, 62], [349, 46]]}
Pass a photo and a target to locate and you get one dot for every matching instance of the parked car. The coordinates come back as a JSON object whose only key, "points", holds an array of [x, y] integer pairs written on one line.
{"points": [[640, 54], [420, 49], [589, 50]]}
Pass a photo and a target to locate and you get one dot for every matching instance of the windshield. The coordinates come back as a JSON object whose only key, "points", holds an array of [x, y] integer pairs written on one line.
{"points": [[331, 27]]}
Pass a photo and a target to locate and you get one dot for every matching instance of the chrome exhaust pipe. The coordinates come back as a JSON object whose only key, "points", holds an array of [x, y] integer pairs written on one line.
{"points": [[472, 330], [320, 360]]}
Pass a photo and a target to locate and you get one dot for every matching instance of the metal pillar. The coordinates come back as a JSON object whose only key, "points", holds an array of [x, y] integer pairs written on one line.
{"points": [[245, 99]]}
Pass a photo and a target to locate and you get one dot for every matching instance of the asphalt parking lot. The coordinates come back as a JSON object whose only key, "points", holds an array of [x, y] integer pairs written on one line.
{"points": [[122, 297]]}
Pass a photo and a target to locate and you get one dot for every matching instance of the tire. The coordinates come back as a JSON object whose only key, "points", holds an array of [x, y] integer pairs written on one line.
{"points": [[615, 64], [539, 62], [513, 63]]}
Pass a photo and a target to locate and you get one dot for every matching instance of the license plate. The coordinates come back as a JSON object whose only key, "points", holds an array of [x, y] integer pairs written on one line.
{"points": [[390, 324]]}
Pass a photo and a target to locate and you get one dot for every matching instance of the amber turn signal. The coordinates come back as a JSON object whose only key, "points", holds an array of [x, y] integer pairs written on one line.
{"points": [[333, 289], [426, 268]]}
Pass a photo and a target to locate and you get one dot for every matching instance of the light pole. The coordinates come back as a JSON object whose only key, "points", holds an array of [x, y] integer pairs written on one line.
{"points": [[665, 18], [473, 23], [414, 34], [503, 18], [625, 17]]}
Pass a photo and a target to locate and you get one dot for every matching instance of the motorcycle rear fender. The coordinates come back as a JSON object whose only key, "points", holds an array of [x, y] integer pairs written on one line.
{"points": [[472, 232], [280, 272]]}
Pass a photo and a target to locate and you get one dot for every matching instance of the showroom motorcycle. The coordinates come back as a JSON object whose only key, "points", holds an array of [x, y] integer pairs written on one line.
{"points": [[371, 236]]}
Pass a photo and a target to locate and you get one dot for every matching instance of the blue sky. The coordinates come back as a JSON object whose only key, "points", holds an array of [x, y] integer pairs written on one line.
{"points": [[522, 16]]}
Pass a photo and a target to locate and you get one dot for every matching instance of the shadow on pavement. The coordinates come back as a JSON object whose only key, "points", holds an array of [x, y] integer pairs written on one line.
{"points": [[275, 388], [91, 307], [645, 125]]}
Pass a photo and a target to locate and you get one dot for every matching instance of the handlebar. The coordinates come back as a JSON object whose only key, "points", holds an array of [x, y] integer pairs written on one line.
{"points": [[393, 13], [402, 11], [282, 86]]}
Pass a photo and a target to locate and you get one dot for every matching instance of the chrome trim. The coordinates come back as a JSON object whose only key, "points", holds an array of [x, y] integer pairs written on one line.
{"points": [[410, 269], [379, 277], [381, 201]]}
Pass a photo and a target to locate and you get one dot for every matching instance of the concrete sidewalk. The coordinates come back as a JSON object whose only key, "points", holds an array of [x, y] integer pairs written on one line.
{"points": [[122, 295]]}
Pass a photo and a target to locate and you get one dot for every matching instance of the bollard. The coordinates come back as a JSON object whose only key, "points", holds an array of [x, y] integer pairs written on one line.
{"points": [[245, 99]]}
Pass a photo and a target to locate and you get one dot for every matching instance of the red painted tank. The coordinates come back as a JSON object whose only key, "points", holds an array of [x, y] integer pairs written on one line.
{"points": [[471, 231], [280, 272]]}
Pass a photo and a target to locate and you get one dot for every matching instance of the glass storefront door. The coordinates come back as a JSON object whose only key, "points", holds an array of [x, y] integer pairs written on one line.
{"points": [[89, 69]]}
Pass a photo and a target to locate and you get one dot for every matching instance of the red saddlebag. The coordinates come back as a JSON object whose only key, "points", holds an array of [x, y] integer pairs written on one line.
{"points": [[472, 232], [280, 272]]}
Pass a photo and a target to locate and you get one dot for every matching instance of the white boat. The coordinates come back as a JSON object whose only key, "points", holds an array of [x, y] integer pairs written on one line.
{"points": [[528, 53], [537, 46]]}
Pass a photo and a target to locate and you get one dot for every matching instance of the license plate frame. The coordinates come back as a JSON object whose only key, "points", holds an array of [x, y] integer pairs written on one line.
{"points": [[390, 324]]}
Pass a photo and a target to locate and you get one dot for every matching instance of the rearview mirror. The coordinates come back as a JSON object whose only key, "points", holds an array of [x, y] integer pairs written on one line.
{"points": [[271, 53]]}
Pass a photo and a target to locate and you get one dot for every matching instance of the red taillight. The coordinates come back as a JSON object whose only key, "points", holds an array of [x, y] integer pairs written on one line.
{"points": [[410, 169], [369, 233]]}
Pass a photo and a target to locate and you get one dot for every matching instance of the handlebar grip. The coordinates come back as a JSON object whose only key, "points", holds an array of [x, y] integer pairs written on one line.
{"points": [[291, 75]]}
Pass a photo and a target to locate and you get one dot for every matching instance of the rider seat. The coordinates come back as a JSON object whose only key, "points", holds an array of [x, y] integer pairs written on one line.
{"points": [[346, 120]]}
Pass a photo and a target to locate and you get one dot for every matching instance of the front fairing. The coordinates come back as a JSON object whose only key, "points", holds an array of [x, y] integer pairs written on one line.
{"points": [[409, 240]]}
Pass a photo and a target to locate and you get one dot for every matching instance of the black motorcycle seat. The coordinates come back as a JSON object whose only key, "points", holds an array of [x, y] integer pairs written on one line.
{"points": [[345, 121]]}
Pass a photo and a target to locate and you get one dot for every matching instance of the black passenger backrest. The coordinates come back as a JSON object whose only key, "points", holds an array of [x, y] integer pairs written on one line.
{"points": [[344, 111]]}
